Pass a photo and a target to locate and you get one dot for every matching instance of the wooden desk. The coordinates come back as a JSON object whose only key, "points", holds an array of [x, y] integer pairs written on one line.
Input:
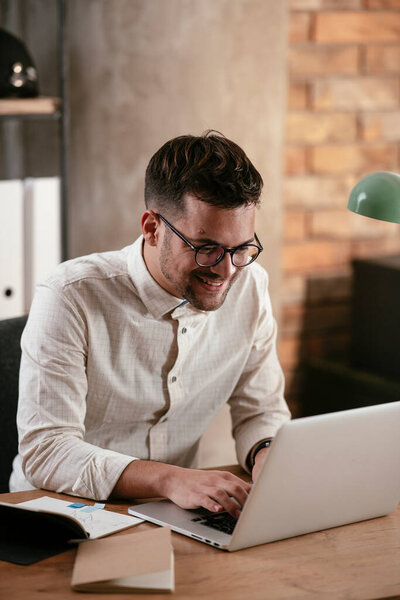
{"points": [[359, 561]]}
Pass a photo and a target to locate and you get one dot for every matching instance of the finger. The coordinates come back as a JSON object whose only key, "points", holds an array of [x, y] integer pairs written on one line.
{"points": [[237, 481], [235, 488], [238, 492], [211, 505], [227, 503], [240, 495]]}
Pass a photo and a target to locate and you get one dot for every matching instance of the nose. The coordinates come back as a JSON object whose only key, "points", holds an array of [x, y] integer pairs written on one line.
{"points": [[225, 269]]}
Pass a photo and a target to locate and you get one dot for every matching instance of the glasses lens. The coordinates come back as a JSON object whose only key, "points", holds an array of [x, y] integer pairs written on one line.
{"points": [[245, 255], [209, 255]]}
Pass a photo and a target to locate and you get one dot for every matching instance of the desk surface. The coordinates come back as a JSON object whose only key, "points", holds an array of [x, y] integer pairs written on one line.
{"points": [[359, 561]]}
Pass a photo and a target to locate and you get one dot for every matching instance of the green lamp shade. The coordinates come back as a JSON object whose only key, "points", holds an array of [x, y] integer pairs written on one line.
{"points": [[377, 196]]}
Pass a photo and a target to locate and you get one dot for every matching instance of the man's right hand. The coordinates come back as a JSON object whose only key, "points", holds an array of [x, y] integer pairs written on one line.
{"points": [[188, 488]]}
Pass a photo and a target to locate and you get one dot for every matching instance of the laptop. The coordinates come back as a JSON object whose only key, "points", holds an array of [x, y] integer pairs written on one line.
{"points": [[320, 472]]}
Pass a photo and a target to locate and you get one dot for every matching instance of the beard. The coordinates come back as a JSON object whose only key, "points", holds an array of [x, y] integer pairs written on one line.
{"points": [[184, 285]]}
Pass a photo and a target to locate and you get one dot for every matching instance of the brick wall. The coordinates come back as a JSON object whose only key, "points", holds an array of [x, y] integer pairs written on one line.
{"points": [[343, 121]]}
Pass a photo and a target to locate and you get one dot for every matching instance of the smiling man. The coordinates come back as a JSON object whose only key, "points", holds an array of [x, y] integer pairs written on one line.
{"points": [[127, 356]]}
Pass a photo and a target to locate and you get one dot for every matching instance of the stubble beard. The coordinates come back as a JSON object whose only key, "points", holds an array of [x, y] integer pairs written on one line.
{"points": [[184, 289]]}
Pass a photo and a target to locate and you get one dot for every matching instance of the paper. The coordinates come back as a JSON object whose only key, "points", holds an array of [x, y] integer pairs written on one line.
{"points": [[97, 522]]}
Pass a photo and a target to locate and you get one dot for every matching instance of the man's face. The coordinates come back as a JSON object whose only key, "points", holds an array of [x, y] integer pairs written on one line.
{"points": [[204, 287]]}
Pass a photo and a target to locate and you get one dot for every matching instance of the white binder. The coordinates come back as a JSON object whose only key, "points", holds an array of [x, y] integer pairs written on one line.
{"points": [[11, 249], [42, 231]]}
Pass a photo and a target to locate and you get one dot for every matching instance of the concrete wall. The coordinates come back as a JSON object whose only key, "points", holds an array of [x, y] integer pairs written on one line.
{"points": [[141, 72], [144, 71]]}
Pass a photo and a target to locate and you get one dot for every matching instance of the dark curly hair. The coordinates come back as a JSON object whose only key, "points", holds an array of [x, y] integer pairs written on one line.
{"points": [[211, 167]]}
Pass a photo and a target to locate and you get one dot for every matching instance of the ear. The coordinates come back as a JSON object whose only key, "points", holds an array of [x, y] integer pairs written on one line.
{"points": [[150, 227]]}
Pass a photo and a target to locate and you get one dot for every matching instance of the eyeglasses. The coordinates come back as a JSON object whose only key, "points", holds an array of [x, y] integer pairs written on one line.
{"points": [[209, 255]]}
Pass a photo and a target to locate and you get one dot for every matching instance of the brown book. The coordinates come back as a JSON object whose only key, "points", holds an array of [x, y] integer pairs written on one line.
{"points": [[136, 562]]}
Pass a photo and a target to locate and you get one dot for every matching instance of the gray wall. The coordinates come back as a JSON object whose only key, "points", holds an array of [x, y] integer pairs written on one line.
{"points": [[143, 71]]}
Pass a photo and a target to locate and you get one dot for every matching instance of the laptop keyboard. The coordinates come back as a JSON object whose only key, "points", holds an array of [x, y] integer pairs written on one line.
{"points": [[221, 521]]}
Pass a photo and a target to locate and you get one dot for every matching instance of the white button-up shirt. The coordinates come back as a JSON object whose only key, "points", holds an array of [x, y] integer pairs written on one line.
{"points": [[114, 369]]}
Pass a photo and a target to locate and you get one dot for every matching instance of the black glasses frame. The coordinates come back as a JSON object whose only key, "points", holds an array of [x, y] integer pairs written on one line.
{"points": [[230, 251]]}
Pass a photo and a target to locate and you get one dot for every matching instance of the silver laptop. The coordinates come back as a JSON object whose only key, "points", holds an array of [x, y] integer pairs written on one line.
{"points": [[320, 472]]}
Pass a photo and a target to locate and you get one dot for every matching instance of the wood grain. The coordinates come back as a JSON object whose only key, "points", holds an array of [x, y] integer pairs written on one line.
{"points": [[356, 562]]}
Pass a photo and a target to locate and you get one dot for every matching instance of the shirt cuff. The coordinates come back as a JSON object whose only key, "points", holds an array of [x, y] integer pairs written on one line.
{"points": [[100, 475], [246, 442]]}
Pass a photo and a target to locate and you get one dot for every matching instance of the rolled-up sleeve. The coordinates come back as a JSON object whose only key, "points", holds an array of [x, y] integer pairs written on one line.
{"points": [[52, 404]]}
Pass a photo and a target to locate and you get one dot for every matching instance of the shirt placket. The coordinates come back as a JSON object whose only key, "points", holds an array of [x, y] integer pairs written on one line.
{"points": [[158, 435]]}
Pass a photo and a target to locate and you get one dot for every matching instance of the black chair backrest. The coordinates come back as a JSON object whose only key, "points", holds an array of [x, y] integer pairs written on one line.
{"points": [[10, 358]]}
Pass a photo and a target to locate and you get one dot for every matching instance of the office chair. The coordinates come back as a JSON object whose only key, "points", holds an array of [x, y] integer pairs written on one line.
{"points": [[10, 357]]}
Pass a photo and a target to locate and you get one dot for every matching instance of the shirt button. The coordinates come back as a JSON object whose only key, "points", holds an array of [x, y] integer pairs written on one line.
{"points": [[173, 379], [184, 330]]}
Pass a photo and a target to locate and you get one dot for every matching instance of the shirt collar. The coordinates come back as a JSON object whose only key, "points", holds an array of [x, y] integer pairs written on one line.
{"points": [[157, 300]]}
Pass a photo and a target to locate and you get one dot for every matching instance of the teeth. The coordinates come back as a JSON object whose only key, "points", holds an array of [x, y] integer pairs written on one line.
{"points": [[215, 284]]}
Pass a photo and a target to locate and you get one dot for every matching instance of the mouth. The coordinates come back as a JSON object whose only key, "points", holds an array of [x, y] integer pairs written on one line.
{"points": [[210, 284]]}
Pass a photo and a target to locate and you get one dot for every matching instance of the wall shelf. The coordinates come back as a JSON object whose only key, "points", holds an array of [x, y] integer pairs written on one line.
{"points": [[30, 107]]}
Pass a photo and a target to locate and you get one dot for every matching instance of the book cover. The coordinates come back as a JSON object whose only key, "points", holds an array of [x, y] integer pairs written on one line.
{"points": [[141, 562], [37, 529]]}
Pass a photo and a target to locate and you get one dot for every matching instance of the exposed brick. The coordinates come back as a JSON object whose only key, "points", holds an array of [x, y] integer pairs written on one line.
{"points": [[367, 93], [293, 289], [326, 287], [299, 27], [380, 126], [357, 27], [317, 192], [288, 349], [383, 59], [293, 350], [295, 160], [294, 225], [352, 158], [343, 224], [317, 270], [312, 60], [310, 319], [310, 255], [292, 320], [325, 4], [311, 128], [383, 4], [329, 286], [374, 248], [297, 95], [325, 345], [293, 387]]}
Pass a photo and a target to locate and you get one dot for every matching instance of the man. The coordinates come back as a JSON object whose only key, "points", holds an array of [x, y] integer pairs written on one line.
{"points": [[128, 355]]}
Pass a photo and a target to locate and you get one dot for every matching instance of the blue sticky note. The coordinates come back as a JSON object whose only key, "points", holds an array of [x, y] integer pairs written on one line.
{"points": [[98, 505], [89, 509], [76, 505]]}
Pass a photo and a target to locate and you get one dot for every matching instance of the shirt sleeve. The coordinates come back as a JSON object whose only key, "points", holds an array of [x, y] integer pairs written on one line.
{"points": [[52, 404], [258, 407]]}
